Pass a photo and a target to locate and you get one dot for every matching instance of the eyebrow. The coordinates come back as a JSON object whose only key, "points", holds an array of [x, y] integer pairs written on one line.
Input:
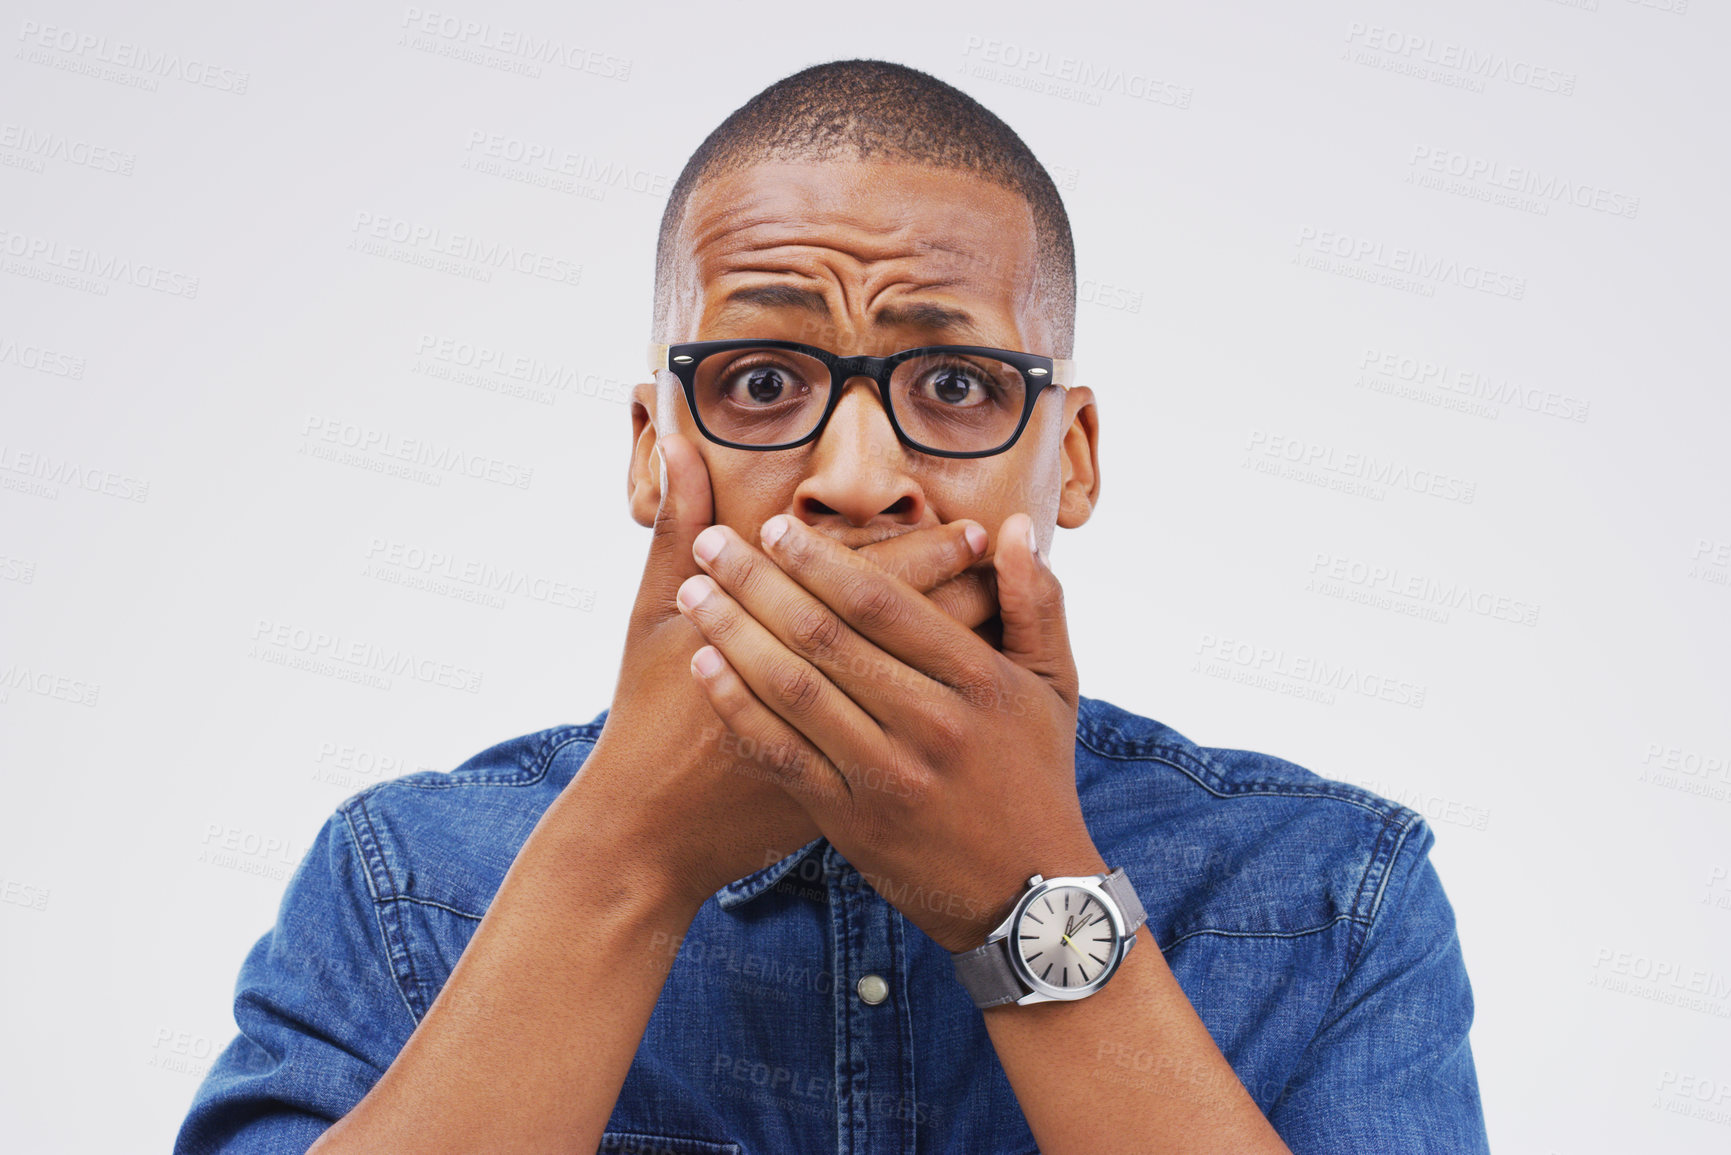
{"points": [[924, 314]]}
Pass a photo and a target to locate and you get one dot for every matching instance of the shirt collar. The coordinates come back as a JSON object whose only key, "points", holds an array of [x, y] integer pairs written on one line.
{"points": [[743, 890]]}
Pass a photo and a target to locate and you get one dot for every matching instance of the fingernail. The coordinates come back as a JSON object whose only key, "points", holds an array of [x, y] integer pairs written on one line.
{"points": [[976, 540], [773, 529], [707, 660], [708, 544], [694, 590], [1033, 546]]}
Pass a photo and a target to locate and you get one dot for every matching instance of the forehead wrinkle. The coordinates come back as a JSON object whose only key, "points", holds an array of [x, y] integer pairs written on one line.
{"points": [[761, 230]]}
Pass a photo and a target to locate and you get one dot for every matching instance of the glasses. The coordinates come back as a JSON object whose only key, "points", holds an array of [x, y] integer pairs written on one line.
{"points": [[946, 400]]}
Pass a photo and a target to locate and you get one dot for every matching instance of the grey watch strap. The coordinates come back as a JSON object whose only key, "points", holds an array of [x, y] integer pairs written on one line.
{"points": [[986, 971], [1117, 884]]}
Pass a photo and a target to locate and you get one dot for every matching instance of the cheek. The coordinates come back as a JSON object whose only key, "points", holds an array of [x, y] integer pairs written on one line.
{"points": [[746, 493]]}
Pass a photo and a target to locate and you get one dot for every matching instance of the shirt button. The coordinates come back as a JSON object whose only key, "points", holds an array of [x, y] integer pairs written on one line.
{"points": [[872, 989]]}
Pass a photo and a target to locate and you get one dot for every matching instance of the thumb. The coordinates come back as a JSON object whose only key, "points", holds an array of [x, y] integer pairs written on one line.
{"points": [[1031, 604], [687, 508]]}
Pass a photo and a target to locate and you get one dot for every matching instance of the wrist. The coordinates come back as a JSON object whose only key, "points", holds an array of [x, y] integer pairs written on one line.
{"points": [[1007, 890], [596, 838]]}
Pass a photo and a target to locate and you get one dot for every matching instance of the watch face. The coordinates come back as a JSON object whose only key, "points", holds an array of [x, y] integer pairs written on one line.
{"points": [[1065, 938]]}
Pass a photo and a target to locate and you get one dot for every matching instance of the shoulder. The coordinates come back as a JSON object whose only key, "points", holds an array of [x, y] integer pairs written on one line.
{"points": [[1248, 842], [1115, 734], [446, 838]]}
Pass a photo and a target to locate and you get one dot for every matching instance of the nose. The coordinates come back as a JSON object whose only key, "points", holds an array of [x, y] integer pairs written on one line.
{"points": [[859, 470]]}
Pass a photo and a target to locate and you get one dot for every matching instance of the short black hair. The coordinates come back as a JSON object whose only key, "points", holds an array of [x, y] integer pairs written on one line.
{"points": [[864, 109]]}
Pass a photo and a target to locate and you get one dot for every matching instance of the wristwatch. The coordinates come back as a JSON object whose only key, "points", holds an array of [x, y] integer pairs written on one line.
{"points": [[1063, 939]]}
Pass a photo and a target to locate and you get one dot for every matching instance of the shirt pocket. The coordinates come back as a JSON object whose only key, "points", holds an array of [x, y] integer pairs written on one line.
{"points": [[638, 1143]]}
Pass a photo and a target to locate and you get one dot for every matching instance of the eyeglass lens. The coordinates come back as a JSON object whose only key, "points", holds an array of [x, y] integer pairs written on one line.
{"points": [[945, 401]]}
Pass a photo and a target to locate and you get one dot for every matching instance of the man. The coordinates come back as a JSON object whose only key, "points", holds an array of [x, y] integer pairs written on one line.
{"points": [[779, 897]]}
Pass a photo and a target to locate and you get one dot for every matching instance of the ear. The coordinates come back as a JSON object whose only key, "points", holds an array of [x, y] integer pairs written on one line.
{"points": [[643, 477], [1080, 453]]}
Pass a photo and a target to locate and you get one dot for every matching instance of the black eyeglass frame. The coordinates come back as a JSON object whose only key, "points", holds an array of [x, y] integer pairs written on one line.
{"points": [[1037, 373]]}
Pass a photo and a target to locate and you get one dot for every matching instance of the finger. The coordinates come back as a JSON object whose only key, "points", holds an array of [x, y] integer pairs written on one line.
{"points": [[927, 558], [686, 509], [805, 627], [796, 690], [971, 597], [1031, 602], [884, 610], [780, 751]]}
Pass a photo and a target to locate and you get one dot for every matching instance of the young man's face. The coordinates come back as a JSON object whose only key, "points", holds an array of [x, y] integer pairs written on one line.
{"points": [[891, 256]]}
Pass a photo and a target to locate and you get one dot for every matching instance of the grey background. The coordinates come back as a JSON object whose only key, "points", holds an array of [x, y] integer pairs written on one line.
{"points": [[1247, 182]]}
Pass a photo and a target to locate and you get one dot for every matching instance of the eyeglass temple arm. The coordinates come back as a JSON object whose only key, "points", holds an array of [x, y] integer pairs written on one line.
{"points": [[1063, 368]]}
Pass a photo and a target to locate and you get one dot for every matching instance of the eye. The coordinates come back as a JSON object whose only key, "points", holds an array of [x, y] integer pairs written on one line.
{"points": [[754, 382], [957, 385]]}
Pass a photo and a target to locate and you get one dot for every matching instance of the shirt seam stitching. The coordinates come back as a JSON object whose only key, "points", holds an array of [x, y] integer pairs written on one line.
{"points": [[431, 902], [1221, 789], [1260, 933], [1394, 838], [378, 907], [388, 919], [537, 763]]}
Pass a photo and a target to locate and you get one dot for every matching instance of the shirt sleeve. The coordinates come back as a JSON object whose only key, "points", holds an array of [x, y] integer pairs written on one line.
{"points": [[320, 1015], [1390, 1068]]}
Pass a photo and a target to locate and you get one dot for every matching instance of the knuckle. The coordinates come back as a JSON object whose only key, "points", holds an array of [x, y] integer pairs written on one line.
{"points": [[721, 624], [795, 688], [980, 694], [743, 575], [815, 631], [944, 736], [874, 604], [785, 756]]}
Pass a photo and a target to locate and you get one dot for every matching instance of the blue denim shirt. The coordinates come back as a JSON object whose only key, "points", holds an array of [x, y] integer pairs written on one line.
{"points": [[1302, 917]]}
